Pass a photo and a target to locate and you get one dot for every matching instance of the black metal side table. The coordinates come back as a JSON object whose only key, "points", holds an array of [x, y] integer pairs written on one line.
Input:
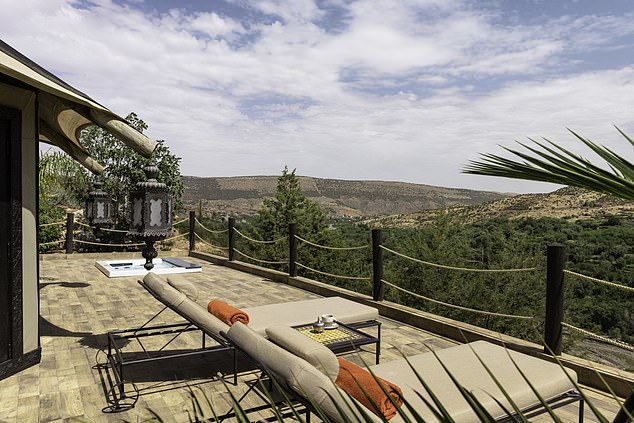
{"points": [[343, 338]]}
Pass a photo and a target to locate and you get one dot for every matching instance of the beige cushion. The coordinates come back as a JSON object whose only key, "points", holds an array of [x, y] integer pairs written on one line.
{"points": [[295, 373], [192, 311], [184, 286], [548, 378], [161, 288], [304, 347], [306, 311]]}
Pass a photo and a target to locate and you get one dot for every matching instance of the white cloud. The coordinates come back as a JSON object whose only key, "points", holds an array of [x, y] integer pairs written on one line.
{"points": [[214, 25], [290, 10], [406, 90]]}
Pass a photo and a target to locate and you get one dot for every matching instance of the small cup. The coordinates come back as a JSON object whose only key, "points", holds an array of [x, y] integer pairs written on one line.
{"points": [[318, 326], [328, 319]]}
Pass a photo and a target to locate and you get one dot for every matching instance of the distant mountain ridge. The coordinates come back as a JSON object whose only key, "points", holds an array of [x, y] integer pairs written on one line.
{"points": [[566, 203], [243, 195]]}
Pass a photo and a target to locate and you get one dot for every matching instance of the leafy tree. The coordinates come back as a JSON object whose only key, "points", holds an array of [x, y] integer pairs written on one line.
{"points": [[124, 167], [62, 181], [62, 185], [288, 206]]}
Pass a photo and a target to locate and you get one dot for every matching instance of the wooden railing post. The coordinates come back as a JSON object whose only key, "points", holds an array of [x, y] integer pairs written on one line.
{"points": [[292, 249], [70, 223], [378, 289], [192, 230], [231, 238], [555, 262]]}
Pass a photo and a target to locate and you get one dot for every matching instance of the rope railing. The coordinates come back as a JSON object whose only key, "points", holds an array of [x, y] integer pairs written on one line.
{"points": [[44, 244], [461, 269], [126, 245], [589, 334], [354, 278], [114, 230], [258, 260], [600, 281], [107, 245], [361, 247], [458, 307], [257, 241], [180, 221], [120, 231], [209, 243], [51, 224], [103, 229], [206, 228]]}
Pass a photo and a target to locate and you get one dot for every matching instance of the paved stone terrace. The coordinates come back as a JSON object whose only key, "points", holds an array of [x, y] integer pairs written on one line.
{"points": [[79, 305]]}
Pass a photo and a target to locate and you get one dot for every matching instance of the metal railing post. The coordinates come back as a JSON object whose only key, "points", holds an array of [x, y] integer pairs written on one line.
{"points": [[378, 288], [231, 239], [555, 262], [192, 230], [70, 222], [292, 249]]}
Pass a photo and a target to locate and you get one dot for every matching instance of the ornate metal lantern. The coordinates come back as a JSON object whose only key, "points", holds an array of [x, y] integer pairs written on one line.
{"points": [[99, 209], [150, 212]]}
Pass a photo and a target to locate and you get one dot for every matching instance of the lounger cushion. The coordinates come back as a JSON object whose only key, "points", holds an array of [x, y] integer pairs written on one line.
{"points": [[306, 311], [192, 311], [294, 373], [548, 378], [162, 289], [304, 347], [184, 286]]}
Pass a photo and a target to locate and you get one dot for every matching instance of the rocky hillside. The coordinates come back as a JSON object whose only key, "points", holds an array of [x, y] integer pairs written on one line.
{"points": [[243, 195], [566, 203]]}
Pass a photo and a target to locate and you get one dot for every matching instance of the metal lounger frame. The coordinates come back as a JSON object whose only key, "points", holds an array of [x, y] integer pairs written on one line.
{"points": [[117, 360]]}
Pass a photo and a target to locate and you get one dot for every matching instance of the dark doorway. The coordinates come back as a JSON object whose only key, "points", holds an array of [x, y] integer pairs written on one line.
{"points": [[9, 140]]}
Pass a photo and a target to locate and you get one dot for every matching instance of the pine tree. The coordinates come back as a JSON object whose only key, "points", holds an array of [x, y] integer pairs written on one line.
{"points": [[288, 206]]}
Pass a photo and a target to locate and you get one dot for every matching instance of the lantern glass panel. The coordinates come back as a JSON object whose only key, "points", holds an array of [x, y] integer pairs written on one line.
{"points": [[101, 209], [137, 206], [155, 212]]}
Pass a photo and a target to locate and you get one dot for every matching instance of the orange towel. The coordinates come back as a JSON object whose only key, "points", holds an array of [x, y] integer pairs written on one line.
{"points": [[227, 313], [355, 380]]}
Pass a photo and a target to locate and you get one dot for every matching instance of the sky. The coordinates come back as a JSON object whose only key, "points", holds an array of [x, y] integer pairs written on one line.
{"points": [[407, 90]]}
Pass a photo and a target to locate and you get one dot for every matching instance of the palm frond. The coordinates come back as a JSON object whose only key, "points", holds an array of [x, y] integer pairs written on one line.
{"points": [[558, 165]]}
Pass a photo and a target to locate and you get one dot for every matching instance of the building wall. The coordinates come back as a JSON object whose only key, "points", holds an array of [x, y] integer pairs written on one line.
{"points": [[30, 293], [26, 101]]}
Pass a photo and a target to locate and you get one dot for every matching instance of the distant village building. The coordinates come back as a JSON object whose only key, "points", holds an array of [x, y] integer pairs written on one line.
{"points": [[36, 106]]}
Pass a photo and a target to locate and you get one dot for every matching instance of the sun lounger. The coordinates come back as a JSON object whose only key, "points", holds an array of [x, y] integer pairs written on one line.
{"points": [[177, 294], [294, 371], [260, 317]]}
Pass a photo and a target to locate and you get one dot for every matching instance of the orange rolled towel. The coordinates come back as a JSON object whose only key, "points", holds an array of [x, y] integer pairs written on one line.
{"points": [[227, 313], [355, 380]]}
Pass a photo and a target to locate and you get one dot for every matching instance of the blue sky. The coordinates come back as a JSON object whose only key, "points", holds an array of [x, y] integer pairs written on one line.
{"points": [[406, 90]]}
